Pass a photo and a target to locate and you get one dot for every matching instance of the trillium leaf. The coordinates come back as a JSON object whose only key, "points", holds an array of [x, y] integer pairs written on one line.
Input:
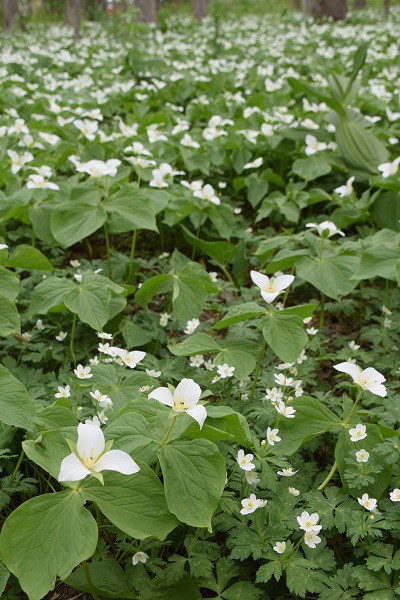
{"points": [[9, 283], [49, 451], [303, 310], [360, 148], [16, 406], [49, 294], [134, 503], [9, 317], [108, 579], [331, 275], [190, 290], [378, 260], [241, 312], [194, 475], [240, 354], [28, 258], [90, 301], [221, 252], [222, 423], [46, 538], [311, 420], [285, 334], [311, 168], [197, 343], [155, 285], [129, 210], [74, 221]]}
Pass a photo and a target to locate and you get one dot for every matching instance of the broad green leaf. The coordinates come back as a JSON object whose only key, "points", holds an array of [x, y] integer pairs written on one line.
{"points": [[132, 433], [155, 285], [4, 575], [308, 90], [360, 148], [303, 310], [16, 406], [386, 210], [194, 474], [331, 275], [134, 335], [75, 220], [257, 188], [378, 260], [312, 419], [311, 167], [129, 210], [107, 577], [198, 343], [50, 449], [90, 301], [28, 258], [9, 283], [222, 423], [133, 503], [191, 286], [241, 354], [221, 252], [241, 312], [9, 317], [285, 334], [49, 294], [46, 538]]}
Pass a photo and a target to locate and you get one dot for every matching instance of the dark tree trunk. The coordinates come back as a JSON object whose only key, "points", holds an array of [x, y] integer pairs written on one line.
{"points": [[325, 8], [200, 9], [148, 11], [360, 3], [74, 11], [10, 12], [386, 8]]}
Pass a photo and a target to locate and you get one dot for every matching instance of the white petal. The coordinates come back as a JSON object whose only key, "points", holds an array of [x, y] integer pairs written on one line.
{"points": [[282, 282], [90, 440], [269, 296], [117, 460], [189, 390], [262, 281], [378, 389], [351, 369], [163, 395], [72, 469], [198, 413], [373, 375]]}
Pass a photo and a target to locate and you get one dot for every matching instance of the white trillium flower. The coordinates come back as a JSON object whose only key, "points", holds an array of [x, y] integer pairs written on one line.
{"points": [[93, 456], [39, 182], [99, 168], [345, 190], [389, 168], [184, 399], [208, 193], [271, 287], [325, 229], [370, 379], [3, 246], [18, 160], [131, 359], [359, 432]]}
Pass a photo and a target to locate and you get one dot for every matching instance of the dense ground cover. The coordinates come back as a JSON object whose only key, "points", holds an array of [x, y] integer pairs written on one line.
{"points": [[199, 246]]}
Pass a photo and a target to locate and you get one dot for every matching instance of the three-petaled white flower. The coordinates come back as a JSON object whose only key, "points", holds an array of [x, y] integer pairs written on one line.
{"points": [[93, 455], [184, 399], [39, 182], [370, 379], [347, 189], [271, 287], [389, 168], [326, 228]]}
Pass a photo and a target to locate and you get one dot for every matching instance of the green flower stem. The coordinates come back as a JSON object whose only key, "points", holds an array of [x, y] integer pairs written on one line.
{"points": [[169, 431], [260, 357], [335, 465], [132, 256], [89, 580], [71, 341], [108, 249], [322, 311], [17, 466]]}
